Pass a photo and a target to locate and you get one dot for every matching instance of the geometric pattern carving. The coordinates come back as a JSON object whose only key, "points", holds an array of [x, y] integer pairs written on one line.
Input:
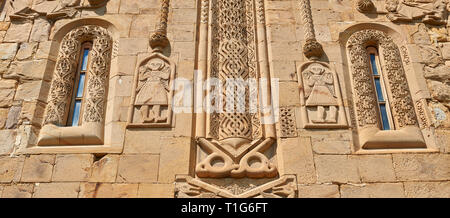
{"points": [[235, 145], [287, 122], [188, 187], [365, 100], [66, 65]]}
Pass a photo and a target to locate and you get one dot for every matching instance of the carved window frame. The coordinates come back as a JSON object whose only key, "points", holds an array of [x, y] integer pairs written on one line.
{"points": [[407, 136], [95, 135]]}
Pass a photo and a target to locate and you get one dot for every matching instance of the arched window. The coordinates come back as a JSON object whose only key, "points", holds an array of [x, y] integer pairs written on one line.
{"points": [[384, 109], [75, 112]]}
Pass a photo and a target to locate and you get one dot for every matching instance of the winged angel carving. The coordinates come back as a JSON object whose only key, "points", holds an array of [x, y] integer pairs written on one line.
{"points": [[51, 9], [433, 12], [153, 90]]}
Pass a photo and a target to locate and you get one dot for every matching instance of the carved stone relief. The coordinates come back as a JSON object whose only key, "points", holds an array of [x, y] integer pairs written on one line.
{"points": [[187, 187], [66, 65], [321, 98], [402, 107], [151, 104], [51, 9], [365, 100], [432, 12], [235, 146], [153, 93], [288, 125]]}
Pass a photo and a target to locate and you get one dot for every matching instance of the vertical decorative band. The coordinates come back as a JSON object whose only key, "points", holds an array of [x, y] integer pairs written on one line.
{"points": [[158, 40], [312, 49]]}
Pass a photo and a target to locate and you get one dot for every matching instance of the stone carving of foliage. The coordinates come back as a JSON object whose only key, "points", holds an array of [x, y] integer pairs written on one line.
{"points": [[365, 100], [64, 75]]}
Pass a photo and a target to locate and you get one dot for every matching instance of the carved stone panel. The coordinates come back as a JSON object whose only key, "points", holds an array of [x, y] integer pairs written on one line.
{"points": [[431, 12], [66, 65], [151, 104], [365, 101], [51, 9], [235, 145], [288, 124], [188, 187], [321, 98]]}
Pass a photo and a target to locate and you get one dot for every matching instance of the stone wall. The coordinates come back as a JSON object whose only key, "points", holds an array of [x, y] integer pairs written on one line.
{"points": [[327, 162]]}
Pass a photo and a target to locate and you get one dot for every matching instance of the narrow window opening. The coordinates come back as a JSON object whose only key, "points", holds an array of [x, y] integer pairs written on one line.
{"points": [[386, 122], [76, 107]]}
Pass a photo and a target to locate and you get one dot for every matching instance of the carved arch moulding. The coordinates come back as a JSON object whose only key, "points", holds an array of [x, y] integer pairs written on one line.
{"points": [[407, 134], [91, 136], [238, 146]]}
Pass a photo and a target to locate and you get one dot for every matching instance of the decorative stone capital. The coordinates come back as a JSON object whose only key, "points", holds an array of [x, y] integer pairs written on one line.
{"points": [[313, 49], [159, 40], [365, 6]]}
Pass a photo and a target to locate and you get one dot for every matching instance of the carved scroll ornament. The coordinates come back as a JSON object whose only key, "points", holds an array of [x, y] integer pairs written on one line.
{"points": [[66, 65], [235, 145]]}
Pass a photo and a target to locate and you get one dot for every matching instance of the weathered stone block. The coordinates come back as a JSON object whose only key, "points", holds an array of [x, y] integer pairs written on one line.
{"points": [[8, 140], [427, 189], [105, 190], [18, 32], [336, 168], [56, 190], [318, 191], [142, 142], [138, 168], [105, 169], [174, 158], [417, 167], [8, 51], [376, 168], [297, 158], [156, 191], [38, 168], [18, 191], [10, 168], [376, 190], [7, 92], [72, 168]]}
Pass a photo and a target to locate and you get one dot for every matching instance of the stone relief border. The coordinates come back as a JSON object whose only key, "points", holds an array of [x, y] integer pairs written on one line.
{"points": [[320, 96], [154, 81], [408, 134], [95, 134], [188, 187], [223, 43]]}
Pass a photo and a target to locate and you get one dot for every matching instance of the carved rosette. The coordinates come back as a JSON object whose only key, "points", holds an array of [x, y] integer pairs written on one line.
{"points": [[365, 100], [66, 66]]}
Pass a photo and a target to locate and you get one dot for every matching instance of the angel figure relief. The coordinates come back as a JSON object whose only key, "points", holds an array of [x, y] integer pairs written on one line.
{"points": [[433, 12], [320, 93], [153, 90]]}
